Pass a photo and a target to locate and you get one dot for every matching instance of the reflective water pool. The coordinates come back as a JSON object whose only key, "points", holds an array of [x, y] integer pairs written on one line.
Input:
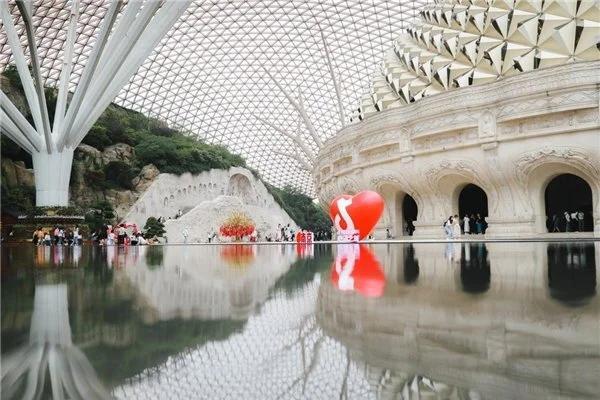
{"points": [[380, 321]]}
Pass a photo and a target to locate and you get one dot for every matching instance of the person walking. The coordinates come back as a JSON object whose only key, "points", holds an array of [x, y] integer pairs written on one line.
{"points": [[467, 224]]}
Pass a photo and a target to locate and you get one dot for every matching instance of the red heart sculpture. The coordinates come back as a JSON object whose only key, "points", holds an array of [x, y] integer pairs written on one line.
{"points": [[357, 269], [364, 211]]}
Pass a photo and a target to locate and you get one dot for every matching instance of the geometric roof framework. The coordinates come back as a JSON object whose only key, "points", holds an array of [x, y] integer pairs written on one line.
{"points": [[459, 43], [220, 71]]}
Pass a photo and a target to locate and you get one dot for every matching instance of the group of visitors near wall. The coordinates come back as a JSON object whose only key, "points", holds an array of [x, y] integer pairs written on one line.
{"points": [[119, 235], [285, 233], [57, 236], [454, 226], [567, 222]]}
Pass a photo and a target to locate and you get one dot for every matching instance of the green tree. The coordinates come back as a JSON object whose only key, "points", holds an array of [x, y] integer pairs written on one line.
{"points": [[154, 227], [100, 214]]}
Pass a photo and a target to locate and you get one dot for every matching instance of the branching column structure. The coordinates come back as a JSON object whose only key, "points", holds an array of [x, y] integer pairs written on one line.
{"points": [[126, 37]]}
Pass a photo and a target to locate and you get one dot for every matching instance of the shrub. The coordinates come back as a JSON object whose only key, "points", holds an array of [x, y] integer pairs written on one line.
{"points": [[154, 227], [101, 213], [97, 137], [18, 198], [95, 179]]}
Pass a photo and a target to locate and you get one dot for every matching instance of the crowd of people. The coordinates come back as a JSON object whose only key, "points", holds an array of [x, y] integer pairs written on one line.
{"points": [[57, 236], [286, 233], [120, 235], [567, 222], [473, 224]]}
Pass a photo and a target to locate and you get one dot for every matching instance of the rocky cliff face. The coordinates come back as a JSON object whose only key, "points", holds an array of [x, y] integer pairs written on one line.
{"points": [[88, 159]]}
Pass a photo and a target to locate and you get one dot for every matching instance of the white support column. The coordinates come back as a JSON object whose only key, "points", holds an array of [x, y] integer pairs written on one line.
{"points": [[299, 106], [65, 72], [336, 86], [22, 67], [52, 175], [164, 20], [305, 149], [88, 71], [12, 114], [37, 75]]}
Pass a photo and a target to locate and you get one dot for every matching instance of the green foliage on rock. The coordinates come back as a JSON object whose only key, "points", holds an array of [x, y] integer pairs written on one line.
{"points": [[20, 198], [120, 174], [101, 213], [301, 208], [153, 228]]}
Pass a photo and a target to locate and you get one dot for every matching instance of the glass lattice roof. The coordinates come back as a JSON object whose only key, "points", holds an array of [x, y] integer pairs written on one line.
{"points": [[221, 71]]}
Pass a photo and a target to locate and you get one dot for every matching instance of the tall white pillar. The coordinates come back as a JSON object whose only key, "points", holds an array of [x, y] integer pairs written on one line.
{"points": [[52, 175]]}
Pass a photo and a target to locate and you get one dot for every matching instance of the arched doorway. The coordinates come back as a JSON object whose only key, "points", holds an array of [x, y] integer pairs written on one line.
{"points": [[409, 212], [241, 187], [572, 194], [406, 214], [473, 201]]}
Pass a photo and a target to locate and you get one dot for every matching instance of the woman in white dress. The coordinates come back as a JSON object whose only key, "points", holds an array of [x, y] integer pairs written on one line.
{"points": [[467, 224], [456, 227]]}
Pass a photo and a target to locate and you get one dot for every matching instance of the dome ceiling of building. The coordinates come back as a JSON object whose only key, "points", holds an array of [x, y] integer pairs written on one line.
{"points": [[253, 75], [459, 43]]}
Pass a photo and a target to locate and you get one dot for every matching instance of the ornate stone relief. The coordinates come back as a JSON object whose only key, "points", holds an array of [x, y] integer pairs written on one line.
{"points": [[528, 162]]}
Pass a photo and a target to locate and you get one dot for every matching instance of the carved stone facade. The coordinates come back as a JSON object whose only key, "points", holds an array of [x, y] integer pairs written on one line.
{"points": [[510, 138]]}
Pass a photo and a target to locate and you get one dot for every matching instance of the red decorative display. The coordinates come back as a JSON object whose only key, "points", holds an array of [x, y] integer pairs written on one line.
{"points": [[356, 214], [356, 269]]}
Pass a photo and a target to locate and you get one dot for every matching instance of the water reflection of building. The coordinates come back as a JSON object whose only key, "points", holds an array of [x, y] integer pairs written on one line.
{"points": [[50, 351], [511, 341], [184, 285]]}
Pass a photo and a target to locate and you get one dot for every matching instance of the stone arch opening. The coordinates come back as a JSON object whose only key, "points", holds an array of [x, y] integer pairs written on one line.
{"points": [[409, 214], [401, 210], [472, 200], [571, 194], [240, 186]]}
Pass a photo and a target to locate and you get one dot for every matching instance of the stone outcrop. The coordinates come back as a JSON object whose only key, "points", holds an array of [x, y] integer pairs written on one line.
{"points": [[118, 152], [16, 173], [145, 178]]}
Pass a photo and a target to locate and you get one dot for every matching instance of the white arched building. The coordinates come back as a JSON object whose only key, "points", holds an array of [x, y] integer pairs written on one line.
{"points": [[478, 113]]}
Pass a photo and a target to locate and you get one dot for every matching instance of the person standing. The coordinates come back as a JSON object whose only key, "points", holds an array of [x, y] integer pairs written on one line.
{"points": [[34, 238], [185, 234], [456, 227], [466, 223], [555, 223], [478, 224], [448, 228], [388, 234], [567, 222], [581, 220]]}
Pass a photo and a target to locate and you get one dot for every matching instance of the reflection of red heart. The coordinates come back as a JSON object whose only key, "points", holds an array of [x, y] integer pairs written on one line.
{"points": [[365, 211], [368, 277]]}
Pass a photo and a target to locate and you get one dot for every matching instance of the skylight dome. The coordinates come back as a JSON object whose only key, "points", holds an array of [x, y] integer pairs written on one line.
{"points": [[226, 71]]}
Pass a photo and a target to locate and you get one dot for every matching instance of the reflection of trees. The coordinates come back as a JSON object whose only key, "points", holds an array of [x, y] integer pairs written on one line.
{"points": [[475, 268], [304, 270], [571, 271]]}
